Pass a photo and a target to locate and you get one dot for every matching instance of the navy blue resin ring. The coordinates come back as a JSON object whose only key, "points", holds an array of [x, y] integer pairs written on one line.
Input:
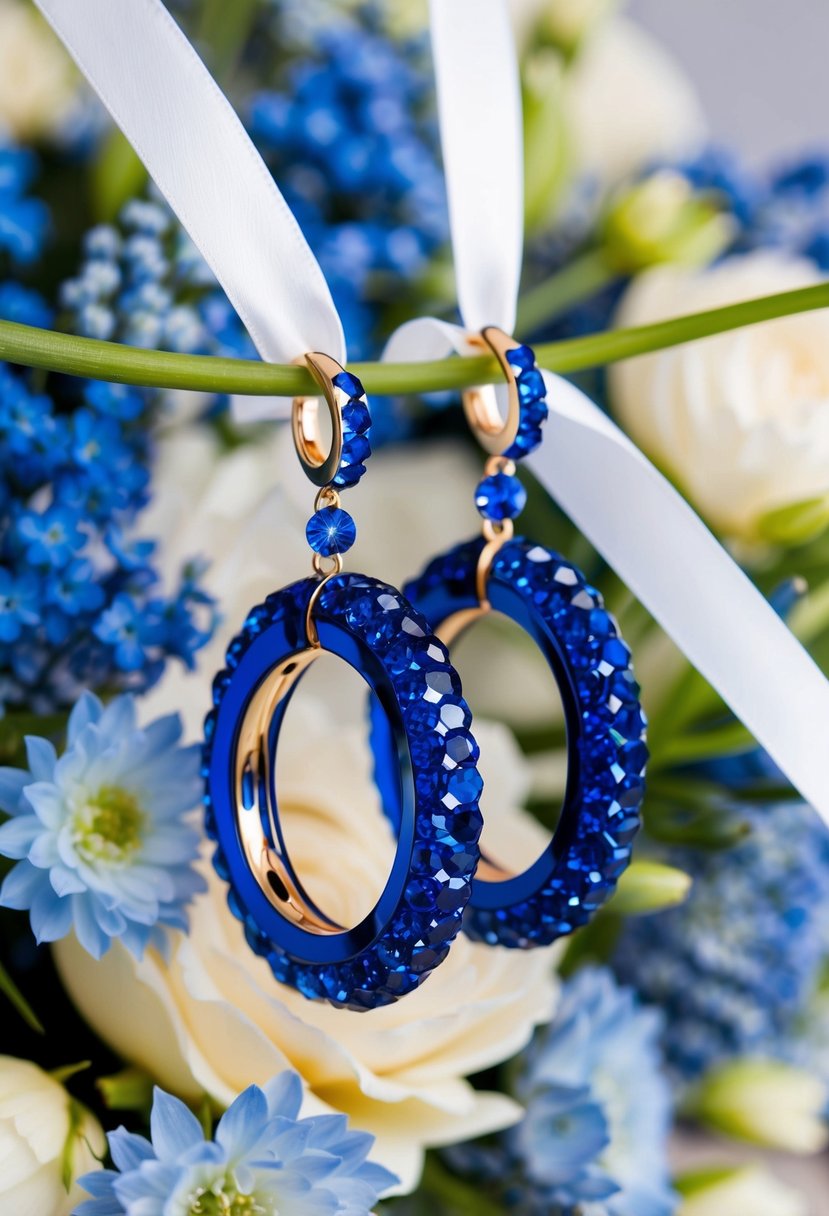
{"points": [[434, 778], [591, 846]]}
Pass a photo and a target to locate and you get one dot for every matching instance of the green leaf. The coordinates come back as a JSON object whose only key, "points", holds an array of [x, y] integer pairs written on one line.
{"points": [[130, 1089], [117, 175], [694, 1181], [13, 994], [795, 523], [64, 1074], [649, 886], [730, 739], [547, 153]]}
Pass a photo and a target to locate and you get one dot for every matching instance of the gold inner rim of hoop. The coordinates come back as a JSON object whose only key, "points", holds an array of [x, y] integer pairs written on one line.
{"points": [[255, 799], [494, 433], [319, 467]]}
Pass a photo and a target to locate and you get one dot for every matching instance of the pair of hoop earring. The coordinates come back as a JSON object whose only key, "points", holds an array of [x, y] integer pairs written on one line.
{"points": [[421, 727]]}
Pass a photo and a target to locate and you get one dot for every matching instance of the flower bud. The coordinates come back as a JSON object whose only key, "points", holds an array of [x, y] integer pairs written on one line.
{"points": [[47, 1140], [764, 1102], [662, 219], [648, 886], [749, 1188]]}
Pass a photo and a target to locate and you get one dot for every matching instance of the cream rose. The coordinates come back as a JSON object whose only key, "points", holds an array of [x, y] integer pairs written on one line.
{"points": [[628, 104], [740, 420], [214, 1019], [38, 83], [40, 1136]]}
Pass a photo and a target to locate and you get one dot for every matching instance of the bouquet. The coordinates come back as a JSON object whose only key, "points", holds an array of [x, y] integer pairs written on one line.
{"points": [[672, 1056]]}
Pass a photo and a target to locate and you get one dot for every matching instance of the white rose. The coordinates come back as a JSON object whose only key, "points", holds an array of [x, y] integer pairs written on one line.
{"points": [[214, 1019], [38, 1140], [741, 420], [38, 83], [628, 104], [749, 1188]]}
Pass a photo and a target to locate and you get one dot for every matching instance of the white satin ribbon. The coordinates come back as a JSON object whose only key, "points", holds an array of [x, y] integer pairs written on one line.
{"points": [[200, 156], [627, 509]]}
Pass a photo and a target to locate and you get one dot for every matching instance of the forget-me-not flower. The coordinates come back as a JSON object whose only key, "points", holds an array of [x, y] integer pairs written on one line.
{"points": [[101, 835], [264, 1161]]}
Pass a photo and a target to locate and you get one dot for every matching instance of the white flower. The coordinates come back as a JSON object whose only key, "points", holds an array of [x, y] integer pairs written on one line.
{"points": [[749, 1188], [42, 1134], [38, 83], [765, 1102], [741, 420], [214, 1018], [628, 104]]}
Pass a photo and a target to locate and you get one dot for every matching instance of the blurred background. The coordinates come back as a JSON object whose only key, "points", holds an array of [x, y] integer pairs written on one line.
{"points": [[760, 67]]}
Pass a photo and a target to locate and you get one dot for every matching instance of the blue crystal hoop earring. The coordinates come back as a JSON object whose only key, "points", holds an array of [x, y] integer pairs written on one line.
{"points": [[552, 601], [436, 784]]}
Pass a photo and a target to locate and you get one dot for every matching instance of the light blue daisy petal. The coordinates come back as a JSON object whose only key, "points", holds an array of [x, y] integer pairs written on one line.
{"points": [[151, 1184], [44, 851], [108, 1206], [174, 1128], [87, 709], [66, 881], [12, 782], [284, 1095], [89, 932], [47, 802], [21, 885], [42, 758], [241, 1126], [50, 915], [110, 919], [129, 1150], [17, 835], [137, 938], [117, 720]]}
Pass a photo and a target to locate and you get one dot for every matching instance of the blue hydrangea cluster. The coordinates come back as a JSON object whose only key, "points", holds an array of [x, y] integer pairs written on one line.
{"points": [[143, 282], [735, 967], [24, 220], [351, 141], [391, 953], [80, 600], [598, 1113], [264, 1158], [785, 209]]}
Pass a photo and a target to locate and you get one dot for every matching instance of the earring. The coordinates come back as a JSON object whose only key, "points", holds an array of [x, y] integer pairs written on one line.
{"points": [[436, 783], [552, 601]]}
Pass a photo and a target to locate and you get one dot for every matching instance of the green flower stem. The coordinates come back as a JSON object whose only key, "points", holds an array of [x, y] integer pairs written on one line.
{"points": [[455, 1196], [204, 373], [577, 281]]}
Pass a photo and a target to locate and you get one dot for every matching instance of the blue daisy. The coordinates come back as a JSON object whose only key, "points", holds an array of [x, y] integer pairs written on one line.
{"points": [[101, 835], [264, 1160]]}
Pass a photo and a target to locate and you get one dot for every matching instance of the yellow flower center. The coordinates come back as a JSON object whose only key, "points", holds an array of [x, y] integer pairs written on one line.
{"points": [[108, 827], [223, 1199]]}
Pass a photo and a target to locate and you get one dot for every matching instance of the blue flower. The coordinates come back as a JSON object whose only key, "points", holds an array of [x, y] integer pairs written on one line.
{"points": [[50, 538], [598, 1106], [100, 835], [736, 966], [19, 598], [23, 221], [264, 1160], [598, 1113]]}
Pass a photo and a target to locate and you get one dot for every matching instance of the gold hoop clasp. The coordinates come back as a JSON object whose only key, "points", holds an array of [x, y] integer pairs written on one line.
{"points": [[319, 468], [494, 433]]}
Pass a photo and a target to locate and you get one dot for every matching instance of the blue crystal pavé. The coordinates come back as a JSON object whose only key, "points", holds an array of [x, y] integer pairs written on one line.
{"points": [[532, 395], [356, 427], [407, 934], [591, 846]]}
